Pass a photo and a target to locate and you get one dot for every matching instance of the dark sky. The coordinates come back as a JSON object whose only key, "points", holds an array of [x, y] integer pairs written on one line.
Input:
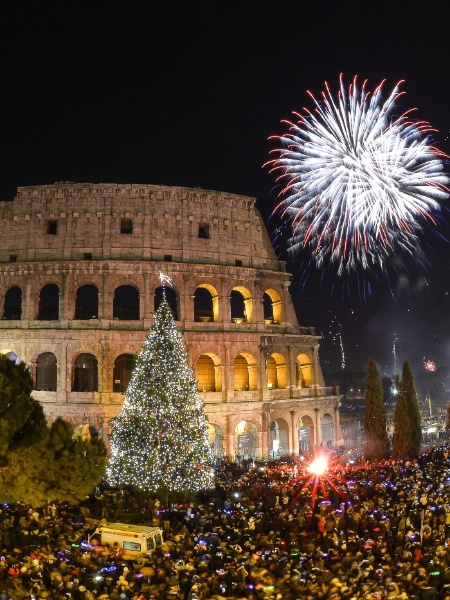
{"points": [[187, 93]]}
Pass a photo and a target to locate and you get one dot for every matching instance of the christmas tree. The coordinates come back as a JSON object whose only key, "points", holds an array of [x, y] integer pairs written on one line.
{"points": [[159, 440]]}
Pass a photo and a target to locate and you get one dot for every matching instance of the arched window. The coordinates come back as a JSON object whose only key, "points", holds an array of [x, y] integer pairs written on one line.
{"points": [[46, 374], [215, 439], [240, 368], [123, 369], [241, 305], [244, 372], [126, 303], [327, 431], [279, 438], [12, 307], [86, 303], [276, 372], [203, 305], [304, 371], [206, 374], [49, 303], [85, 375], [272, 307], [171, 297], [237, 307]]}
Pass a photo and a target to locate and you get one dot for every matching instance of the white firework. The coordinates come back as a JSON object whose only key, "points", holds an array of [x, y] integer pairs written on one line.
{"points": [[360, 181]]}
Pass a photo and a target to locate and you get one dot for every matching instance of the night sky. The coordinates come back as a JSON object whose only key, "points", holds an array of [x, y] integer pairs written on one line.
{"points": [[188, 93]]}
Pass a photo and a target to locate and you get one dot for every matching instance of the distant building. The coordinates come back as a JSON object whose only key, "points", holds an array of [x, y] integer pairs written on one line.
{"points": [[79, 285]]}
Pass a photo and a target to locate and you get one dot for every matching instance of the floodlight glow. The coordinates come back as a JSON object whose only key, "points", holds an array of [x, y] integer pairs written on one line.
{"points": [[318, 466]]}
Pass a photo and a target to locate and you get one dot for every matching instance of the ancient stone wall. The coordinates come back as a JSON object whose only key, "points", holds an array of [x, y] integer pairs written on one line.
{"points": [[259, 372]]}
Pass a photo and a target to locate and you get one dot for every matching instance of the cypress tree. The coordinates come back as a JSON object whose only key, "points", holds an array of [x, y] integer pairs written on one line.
{"points": [[400, 443], [412, 404], [375, 430], [407, 420]]}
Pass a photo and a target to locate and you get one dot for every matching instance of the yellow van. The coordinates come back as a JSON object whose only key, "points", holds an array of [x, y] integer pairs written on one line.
{"points": [[132, 540]]}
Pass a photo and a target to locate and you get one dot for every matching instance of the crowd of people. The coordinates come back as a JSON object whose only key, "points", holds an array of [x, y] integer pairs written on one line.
{"points": [[267, 531]]}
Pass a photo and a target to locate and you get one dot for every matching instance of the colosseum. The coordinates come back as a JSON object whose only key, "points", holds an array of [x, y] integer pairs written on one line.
{"points": [[79, 283]]}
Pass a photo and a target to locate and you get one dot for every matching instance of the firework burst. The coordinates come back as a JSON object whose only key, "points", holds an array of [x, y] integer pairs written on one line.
{"points": [[360, 181]]}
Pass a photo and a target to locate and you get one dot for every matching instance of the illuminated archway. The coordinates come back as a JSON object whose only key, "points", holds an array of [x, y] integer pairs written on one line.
{"points": [[305, 429], [246, 441], [209, 377], [245, 374], [276, 371], [304, 371], [279, 437], [241, 304], [206, 303], [215, 438], [272, 306], [327, 431]]}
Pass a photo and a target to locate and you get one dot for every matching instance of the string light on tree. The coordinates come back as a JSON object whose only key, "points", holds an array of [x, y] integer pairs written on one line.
{"points": [[159, 440]]}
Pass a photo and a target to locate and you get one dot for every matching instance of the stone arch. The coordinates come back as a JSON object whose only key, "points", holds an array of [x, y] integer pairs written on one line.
{"points": [[85, 373], [272, 305], [246, 439], [126, 303], [86, 302], [241, 304], [12, 304], [48, 307], [46, 372], [305, 432], [304, 370], [245, 372], [208, 373], [215, 438], [327, 430], [206, 303], [276, 371], [172, 297], [122, 372], [279, 437]]}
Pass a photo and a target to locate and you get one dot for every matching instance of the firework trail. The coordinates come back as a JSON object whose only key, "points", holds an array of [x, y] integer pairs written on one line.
{"points": [[337, 338], [394, 352], [360, 181]]}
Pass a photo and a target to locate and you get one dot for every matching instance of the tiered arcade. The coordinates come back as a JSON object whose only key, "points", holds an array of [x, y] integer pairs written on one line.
{"points": [[79, 283]]}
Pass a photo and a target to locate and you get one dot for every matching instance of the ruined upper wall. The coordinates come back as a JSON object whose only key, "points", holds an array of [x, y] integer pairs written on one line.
{"points": [[70, 221]]}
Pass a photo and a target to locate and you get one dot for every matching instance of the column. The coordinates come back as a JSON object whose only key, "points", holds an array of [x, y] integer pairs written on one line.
{"points": [[294, 435], [318, 436], [292, 380]]}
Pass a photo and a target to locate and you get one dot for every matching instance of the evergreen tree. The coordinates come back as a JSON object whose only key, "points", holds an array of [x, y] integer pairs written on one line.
{"points": [[375, 429], [407, 421], [400, 438], [412, 403], [39, 462], [159, 440]]}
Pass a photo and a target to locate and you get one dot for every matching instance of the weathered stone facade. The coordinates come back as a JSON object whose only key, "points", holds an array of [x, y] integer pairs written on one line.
{"points": [[79, 281]]}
